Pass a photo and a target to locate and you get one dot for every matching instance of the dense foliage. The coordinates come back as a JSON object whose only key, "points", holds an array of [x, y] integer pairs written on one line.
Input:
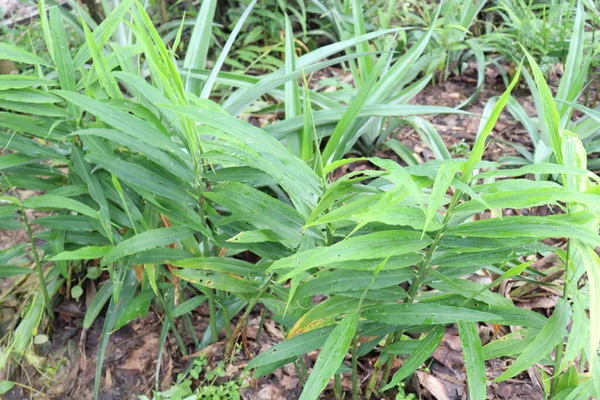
{"points": [[140, 149]]}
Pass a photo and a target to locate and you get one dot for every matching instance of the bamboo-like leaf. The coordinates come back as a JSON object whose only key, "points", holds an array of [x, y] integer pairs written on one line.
{"points": [[53, 202], [85, 253], [553, 333], [17, 54], [374, 245], [550, 116], [147, 240], [479, 146], [10, 81], [199, 44], [62, 55], [218, 280], [533, 227], [292, 95], [473, 354], [591, 262], [97, 304], [210, 82], [425, 314], [423, 351], [443, 179], [333, 353], [291, 348], [12, 270]]}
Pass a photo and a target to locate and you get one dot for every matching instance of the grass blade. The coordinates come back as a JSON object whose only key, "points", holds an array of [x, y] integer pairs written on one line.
{"points": [[473, 354], [331, 357], [553, 333]]}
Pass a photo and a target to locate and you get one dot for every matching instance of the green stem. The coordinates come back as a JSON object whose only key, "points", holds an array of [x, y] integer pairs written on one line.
{"points": [[355, 367], [190, 326], [212, 315], [173, 326], [560, 347], [300, 374], [38, 264], [242, 321], [337, 387], [263, 315], [414, 288]]}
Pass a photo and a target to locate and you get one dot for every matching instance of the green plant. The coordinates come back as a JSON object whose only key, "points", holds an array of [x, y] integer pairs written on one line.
{"points": [[204, 378], [401, 395], [172, 195], [572, 86]]}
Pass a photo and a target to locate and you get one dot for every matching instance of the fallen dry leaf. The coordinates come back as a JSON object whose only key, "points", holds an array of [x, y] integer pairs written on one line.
{"points": [[434, 385]]}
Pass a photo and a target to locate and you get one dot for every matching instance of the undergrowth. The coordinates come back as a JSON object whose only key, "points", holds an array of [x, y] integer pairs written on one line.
{"points": [[153, 184]]}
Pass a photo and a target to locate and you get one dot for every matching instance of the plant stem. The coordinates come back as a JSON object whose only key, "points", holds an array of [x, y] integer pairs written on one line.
{"points": [[355, 367], [242, 321], [412, 291], [38, 264], [337, 386], [212, 315], [560, 347], [263, 315]]}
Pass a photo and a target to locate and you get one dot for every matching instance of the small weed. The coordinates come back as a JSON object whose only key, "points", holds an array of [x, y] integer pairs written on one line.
{"points": [[401, 395], [205, 379], [459, 149]]}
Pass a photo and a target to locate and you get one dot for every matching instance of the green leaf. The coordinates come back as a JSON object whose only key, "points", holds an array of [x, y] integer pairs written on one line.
{"points": [[22, 81], [199, 43], [29, 95], [147, 240], [550, 116], [425, 314], [473, 354], [62, 55], [343, 281], [210, 82], [218, 280], [84, 253], [423, 351], [591, 262], [343, 137], [510, 345], [5, 386], [291, 348], [255, 148], [568, 379], [324, 314], [97, 304], [123, 121], [479, 146], [373, 245], [12, 270], [331, 357], [430, 136], [291, 90], [83, 169], [137, 307], [53, 202], [135, 174], [533, 227], [14, 53], [443, 179], [188, 306], [552, 334]]}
